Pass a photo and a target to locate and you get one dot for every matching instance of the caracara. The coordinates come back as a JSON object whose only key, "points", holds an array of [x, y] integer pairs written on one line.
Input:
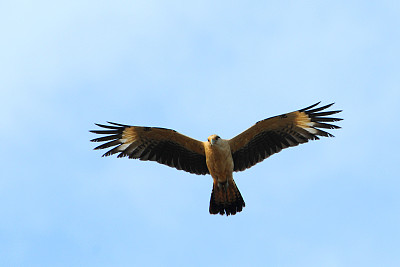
{"points": [[218, 157]]}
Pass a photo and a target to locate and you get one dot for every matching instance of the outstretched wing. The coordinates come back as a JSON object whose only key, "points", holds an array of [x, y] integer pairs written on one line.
{"points": [[156, 144], [271, 135]]}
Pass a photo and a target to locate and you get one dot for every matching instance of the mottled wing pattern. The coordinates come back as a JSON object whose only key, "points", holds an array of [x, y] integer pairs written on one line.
{"points": [[162, 145], [271, 135]]}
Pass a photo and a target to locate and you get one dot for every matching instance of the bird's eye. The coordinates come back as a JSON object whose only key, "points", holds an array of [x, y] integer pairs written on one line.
{"points": [[217, 137]]}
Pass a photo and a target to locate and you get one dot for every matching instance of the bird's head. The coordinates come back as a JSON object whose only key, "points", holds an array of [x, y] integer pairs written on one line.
{"points": [[213, 139]]}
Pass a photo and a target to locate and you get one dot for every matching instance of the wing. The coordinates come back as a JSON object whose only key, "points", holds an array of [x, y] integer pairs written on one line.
{"points": [[156, 144], [271, 135]]}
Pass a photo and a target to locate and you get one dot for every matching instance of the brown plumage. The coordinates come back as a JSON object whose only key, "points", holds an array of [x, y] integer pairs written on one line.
{"points": [[217, 156], [226, 199]]}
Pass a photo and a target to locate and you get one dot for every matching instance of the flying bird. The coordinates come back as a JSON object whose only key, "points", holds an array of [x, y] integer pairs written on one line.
{"points": [[218, 157]]}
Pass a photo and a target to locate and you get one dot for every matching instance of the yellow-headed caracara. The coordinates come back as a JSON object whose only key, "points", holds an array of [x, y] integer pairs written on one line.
{"points": [[218, 157]]}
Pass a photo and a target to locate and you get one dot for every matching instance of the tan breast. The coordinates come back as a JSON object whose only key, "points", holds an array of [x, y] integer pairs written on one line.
{"points": [[219, 160]]}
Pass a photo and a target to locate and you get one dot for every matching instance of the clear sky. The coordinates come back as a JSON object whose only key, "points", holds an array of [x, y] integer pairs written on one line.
{"points": [[198, 67]]}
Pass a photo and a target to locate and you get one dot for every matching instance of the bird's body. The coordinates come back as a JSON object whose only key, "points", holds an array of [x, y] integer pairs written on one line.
{"points": [[225, 196], [218, 157]]}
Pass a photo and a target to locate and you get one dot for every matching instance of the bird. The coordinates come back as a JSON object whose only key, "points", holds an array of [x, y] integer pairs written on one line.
{"points": [[216, 156]]}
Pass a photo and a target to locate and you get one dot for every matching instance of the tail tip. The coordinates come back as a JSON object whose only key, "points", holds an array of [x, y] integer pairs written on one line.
{"points": [[225, 201]]}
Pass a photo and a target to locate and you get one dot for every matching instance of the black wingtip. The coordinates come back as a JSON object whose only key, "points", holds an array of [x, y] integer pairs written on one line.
{"points": [[118, 124], [309, 107]]}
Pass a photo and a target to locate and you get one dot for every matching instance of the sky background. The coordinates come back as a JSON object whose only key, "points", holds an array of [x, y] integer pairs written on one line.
{"points": [[198, 67]]}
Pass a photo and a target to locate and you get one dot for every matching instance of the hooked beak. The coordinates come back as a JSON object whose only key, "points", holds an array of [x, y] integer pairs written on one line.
{"points": [[212, 142]]}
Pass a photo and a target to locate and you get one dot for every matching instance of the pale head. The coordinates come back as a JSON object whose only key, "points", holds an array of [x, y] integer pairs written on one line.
{"points": [[213, 139]]}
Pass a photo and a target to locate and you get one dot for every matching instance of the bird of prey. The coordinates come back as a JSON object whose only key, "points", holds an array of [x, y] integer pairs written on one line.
{"points": [[218, 157]]}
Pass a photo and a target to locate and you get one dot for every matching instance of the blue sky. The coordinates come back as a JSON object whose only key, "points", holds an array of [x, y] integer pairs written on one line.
{"points": [[198, 67]]}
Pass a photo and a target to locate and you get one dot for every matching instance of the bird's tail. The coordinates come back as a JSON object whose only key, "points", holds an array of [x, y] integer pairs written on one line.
{"points": [[226, 199]]}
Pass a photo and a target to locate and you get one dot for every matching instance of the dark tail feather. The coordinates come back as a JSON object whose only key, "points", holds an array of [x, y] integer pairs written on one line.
{"points": [[226, 200]]}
